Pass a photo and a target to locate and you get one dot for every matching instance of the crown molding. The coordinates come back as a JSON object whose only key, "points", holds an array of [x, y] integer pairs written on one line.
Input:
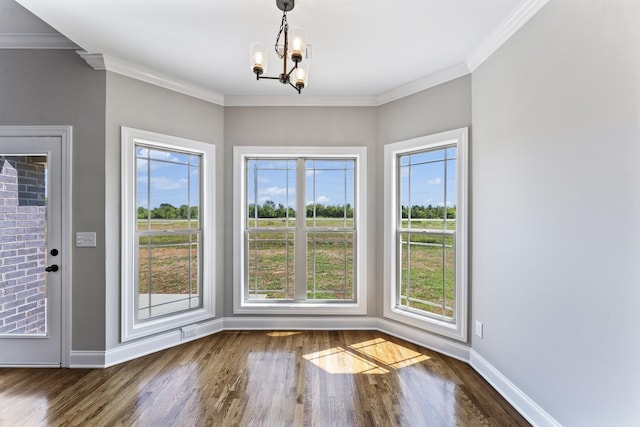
{"points": [[95, 60], [505, 30], [300, 101], [424, 83], [35, 41], [102, 62]]}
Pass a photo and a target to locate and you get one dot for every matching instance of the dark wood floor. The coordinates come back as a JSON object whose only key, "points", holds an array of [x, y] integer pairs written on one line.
{"points": [[311, 378]]}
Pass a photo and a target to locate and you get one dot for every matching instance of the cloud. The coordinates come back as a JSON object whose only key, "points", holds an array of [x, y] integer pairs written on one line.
{"points": [[164, 183], [274, 191], [319, 199], [434, 181]]}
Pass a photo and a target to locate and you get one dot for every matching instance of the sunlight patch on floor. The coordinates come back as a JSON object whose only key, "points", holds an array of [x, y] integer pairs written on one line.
{"points": [[277, 334], [337, 360], [389, 354], [375, 356]]}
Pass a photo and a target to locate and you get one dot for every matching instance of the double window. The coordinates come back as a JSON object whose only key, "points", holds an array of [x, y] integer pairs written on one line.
{"points": [[298, 248], [425, 238], [167, 232]]}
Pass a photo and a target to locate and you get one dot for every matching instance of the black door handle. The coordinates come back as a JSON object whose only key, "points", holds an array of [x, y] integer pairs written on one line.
{"points": [[53, 267]]}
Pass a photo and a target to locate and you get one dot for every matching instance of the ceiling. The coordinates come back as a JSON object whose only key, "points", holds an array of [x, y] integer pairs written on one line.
{"points": [[360, 48]]}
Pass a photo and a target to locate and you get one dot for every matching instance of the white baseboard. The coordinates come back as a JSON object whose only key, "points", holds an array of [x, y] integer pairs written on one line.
{"points": [[300, 323], [516, 397], [86, 359], [424, 339], [142, 347]]}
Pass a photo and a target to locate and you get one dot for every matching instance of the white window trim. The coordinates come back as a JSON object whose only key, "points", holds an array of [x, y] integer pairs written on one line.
{"points": [[240, 304], [457, 330], [129, 328]]}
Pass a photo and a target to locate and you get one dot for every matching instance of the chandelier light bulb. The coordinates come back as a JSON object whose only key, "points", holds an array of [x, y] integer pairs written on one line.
{"points": [[258, 58], [297, 44], [301, 76]]}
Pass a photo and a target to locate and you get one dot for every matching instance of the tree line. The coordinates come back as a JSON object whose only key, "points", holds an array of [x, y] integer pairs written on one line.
{"points": [[269, 209], [168, 211], [428, 212]]}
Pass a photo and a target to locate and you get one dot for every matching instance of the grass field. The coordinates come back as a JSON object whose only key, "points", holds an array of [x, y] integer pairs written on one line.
{"points": [[168, 263], [426, 276]]}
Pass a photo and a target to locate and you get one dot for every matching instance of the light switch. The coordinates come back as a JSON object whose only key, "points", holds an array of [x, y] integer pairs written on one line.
{"points": [[85, 239]]}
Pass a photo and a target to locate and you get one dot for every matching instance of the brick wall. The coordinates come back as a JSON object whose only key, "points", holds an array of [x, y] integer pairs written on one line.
{"points": [[22, 245]]}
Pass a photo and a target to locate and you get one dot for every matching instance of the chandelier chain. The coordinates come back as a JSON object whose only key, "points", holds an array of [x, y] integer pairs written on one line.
{"points": [[284, 27]]}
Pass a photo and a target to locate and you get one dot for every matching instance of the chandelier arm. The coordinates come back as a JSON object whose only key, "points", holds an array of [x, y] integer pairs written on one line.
{"points": [[299, 90], [291, 71]]}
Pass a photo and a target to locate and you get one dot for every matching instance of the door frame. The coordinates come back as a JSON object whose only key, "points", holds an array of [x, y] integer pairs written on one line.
{"points": [[65, 135]]}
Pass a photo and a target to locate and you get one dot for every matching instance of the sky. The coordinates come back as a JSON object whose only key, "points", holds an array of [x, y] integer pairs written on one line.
{"points": [[173, 178], [327, 182], [168, 177]]}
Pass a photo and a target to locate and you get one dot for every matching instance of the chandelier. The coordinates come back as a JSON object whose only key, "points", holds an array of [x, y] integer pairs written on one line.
{"points": [[291, 48]]}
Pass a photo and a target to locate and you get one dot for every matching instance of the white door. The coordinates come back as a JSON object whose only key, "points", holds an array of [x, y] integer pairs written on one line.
{"points": [[31, 257]]}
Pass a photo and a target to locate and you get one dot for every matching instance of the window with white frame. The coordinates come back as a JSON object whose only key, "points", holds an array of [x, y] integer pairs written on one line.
{"points": [[298, 245], [167, 233], [426, 232]]}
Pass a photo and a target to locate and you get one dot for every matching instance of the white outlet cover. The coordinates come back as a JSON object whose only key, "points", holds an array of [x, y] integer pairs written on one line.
{"points": [[479, 328]]}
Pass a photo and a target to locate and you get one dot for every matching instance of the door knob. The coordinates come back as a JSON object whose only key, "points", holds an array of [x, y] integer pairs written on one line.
{"points": [[53, 267]]}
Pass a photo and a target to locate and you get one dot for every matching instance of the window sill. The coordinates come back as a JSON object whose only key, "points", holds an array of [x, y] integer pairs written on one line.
{"points": [[440, 327], [305, 308]]}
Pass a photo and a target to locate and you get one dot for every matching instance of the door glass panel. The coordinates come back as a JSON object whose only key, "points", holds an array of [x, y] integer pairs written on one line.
{"points": [[23, 246]]}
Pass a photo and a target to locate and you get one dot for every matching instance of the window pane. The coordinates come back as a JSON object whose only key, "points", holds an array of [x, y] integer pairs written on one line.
{"points": [[330, 193], [270, 265], [167, 187], [271, 193], [451, 194], [168, 274], [427, 279], [330, 265], [191, 210], [426, 184], [168, 156], [167, 199], [426, 156], [142, 192]]}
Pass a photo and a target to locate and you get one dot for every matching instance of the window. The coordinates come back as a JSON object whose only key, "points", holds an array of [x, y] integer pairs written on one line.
{"points": [[167, 189], [298, 244], [425, 232]]}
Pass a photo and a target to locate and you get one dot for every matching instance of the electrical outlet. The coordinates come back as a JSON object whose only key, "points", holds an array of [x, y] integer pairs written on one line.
{"points": [[85, 239], [189, 331], [479, 328]]}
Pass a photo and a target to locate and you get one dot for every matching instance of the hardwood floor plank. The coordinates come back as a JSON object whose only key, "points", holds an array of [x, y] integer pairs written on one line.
{"points": [[285, 378]]}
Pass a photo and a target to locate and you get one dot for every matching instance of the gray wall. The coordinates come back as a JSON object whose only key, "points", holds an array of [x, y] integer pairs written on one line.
{"points": [[58, 88], [303, 126], [16, 19], [556, 198], [139, 105], [441, 108]]}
